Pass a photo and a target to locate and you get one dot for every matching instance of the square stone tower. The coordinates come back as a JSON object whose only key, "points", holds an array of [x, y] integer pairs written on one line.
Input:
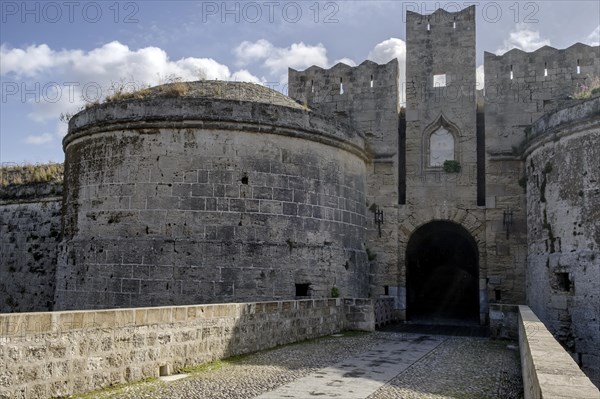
{"points": [[441, 107], [442, 255]]}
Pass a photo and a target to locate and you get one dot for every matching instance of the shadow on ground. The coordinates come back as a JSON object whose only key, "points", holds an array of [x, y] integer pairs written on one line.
{"points": [[458, 367], [429, 328]]}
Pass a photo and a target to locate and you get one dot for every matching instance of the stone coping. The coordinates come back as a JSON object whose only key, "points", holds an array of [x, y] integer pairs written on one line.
{"points": [[151, 114], [548, 369], [582, 116], [34, 323], [30, 192], [31, 200]]}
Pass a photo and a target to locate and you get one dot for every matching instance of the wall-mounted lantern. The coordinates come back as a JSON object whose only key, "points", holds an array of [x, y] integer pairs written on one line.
{"points": [[379, 219], [507, 221]]}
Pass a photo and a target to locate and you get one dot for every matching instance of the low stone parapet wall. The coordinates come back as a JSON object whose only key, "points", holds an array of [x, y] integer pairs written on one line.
{"points": [[504, 321], [548, 370], [360, 314], [60, 353]]}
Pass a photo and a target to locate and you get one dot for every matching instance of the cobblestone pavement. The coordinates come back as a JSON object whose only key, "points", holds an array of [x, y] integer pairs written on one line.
{"points": [[459, 367], [463, 368]]}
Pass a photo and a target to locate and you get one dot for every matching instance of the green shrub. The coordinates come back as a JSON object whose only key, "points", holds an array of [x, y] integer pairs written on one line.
{"points": [[370, 255], [335, 293], [451, 166]]}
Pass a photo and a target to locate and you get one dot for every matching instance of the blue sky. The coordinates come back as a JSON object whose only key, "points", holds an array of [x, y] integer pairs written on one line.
{"points": [[55, 53]]}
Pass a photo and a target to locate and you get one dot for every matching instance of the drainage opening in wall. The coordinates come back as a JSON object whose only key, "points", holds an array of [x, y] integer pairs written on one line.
{"points": [[163, 371], [302, 290], [563, 283]]}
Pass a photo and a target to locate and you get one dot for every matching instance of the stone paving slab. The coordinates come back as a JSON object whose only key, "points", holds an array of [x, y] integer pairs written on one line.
{"points": [[360, 376]]}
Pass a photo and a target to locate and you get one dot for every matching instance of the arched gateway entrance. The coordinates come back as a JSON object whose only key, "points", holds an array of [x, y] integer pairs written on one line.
{"points": [[442, 268]]}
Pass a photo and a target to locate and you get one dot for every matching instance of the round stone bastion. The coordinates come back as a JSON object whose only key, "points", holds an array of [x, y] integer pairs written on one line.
{"points": [[208, 192], [562, 161]]}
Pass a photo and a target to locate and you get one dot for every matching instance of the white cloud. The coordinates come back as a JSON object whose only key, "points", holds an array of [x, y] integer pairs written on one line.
{"points": [[593, 38], [112, 59], [523, 39], [244, 75], [27, 62], [41, 139], [479, 77], [248, 52], [297, 56], [345, 60], [387, 50], [277, 60], [76, 73]]}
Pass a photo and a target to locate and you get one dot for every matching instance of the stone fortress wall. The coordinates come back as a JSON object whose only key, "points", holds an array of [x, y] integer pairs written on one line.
{"points": [[30, 224], [366, 96], [230, 193], [542, 81], [521, 88], [563, 210], [233, 192]]}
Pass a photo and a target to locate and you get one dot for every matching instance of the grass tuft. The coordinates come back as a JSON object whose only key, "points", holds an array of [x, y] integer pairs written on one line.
{"points": [[587, 90], [214, 365], [117, 390], [178, 89], [17, 175]]}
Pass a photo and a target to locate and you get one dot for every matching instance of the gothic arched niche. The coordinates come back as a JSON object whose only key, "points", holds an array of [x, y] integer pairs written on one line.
{"points": [[441, 147], [440, 143]]}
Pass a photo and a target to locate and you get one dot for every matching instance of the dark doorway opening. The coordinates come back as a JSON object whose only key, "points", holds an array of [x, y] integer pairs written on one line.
{"points": [[442, 272]]}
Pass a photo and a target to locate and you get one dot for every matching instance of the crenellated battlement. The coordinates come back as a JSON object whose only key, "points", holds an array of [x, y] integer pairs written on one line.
{"points": [[441, 19], [575, 62], [366, 95], [528, 85], [317, 87]]}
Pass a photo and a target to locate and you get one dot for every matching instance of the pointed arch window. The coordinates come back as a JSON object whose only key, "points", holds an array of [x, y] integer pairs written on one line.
{"points": [[441, 147]]}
